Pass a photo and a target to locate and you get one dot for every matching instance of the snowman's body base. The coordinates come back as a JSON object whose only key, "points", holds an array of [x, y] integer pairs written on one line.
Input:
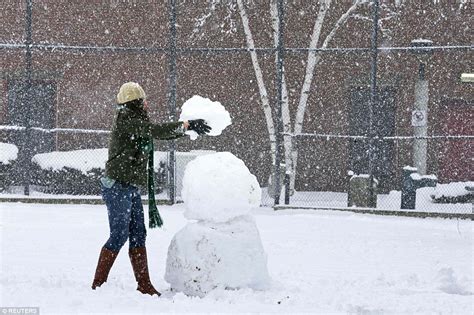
{"points": [[204, 256]]}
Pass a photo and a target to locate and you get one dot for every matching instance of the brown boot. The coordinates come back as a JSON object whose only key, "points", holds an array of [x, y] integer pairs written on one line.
{"points": [[138, 258], [106, 260]]}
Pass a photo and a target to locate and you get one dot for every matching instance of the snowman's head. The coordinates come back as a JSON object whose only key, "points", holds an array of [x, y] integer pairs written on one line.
{"points": [[219, 187]]}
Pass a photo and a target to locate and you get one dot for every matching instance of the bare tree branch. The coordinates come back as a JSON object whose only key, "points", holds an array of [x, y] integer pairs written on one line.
{"points": [[201, 21], [341, 21]]}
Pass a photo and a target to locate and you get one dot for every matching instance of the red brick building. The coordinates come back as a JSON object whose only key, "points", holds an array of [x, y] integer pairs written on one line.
{"points": [[76, 88]]}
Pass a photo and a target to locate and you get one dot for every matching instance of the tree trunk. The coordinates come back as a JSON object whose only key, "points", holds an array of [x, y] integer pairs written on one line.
{"points": [[313, 60], [287, 139], [260, 82], [290, 147]]}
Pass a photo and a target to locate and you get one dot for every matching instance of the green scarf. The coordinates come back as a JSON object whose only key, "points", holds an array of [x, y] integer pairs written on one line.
{"points": [[154, 216]]}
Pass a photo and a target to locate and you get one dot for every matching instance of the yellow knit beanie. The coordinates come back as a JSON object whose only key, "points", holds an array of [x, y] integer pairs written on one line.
{"points": [[130, 91]]}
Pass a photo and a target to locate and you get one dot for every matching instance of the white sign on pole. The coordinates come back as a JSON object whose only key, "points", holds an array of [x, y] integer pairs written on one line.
{"points": [[419, 118]]}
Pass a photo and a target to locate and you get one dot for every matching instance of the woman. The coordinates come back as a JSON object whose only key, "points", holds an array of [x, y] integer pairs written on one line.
{"points": [[125, 171]]}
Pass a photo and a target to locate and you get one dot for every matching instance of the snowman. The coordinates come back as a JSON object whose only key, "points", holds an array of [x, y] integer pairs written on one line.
{"points": [[221, 247]]}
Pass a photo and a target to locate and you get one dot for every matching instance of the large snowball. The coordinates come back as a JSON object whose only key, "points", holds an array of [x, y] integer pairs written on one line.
{"points": [[198, 107], [204, 256], [218, 187]]}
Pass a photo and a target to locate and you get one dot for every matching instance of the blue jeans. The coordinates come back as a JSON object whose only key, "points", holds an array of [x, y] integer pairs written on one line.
{"points": [[126, 219]]}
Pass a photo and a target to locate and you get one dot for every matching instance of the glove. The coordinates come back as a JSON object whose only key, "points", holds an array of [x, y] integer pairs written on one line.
{"points": [[199, 126]]}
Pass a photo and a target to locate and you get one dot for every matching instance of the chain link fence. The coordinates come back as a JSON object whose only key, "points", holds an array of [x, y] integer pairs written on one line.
{"points": [[414, 155], [376, 118]]}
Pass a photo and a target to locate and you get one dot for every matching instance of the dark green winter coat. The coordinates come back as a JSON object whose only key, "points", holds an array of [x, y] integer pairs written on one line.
{"points": [[129, 143]]}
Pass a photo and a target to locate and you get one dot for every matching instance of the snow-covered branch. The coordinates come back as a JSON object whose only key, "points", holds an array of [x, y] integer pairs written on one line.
{"points": [[361, 17], [341, 21], [200, 21], [230, 7]]}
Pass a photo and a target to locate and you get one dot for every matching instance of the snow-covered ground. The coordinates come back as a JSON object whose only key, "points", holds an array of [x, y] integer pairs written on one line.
{"points": [[319, 262], [391, 201], [320, 199]]}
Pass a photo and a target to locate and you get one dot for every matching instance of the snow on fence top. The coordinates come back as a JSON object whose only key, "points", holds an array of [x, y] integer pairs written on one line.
{"points": [[8, 153], [191, 153], [416, 176], [353, 176]]}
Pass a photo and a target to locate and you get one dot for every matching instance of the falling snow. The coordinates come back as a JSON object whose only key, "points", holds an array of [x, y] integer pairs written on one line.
{"points": [[305, 87]]}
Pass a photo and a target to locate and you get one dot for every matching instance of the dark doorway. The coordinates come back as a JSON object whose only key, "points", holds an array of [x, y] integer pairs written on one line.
{"points": [[383, 124], [456, 163], [40, 113]]}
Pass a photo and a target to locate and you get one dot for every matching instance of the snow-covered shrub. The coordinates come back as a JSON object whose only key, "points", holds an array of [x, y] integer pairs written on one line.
{"points": [[455, 192], [74, 172], [68, 180], [78, 172], [8, 161], [8, 153]]}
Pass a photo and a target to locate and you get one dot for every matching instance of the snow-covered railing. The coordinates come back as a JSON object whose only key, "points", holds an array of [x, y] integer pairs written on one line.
{"points": [[381, 49], [91, 48], [315, 135], [328, 136], [73, 130], [82, 48]]}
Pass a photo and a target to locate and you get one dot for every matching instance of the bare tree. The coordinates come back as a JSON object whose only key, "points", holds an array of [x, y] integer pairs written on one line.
{"points": [[312, 61]]}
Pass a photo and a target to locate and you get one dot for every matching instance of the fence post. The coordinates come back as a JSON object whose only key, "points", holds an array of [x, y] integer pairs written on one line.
{"points": [[172, 97], [279, 121], [25, 160], [373, 100], [287, 189], [420, 110]]}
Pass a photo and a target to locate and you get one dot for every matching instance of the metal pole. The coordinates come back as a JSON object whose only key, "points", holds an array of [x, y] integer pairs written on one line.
{"points": [[279, 121], [421, 107], [373, 100], [172, 98], [287, 189], [26, 102]]}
